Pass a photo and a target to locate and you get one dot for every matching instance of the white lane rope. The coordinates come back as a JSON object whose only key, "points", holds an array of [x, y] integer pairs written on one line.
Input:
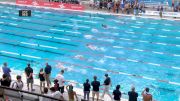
{"points": [[129, 33]]}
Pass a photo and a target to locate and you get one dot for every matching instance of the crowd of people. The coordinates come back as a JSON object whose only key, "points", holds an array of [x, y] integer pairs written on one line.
{"points": [[57, 89], [119, 5], [176, 8], [66, 1], [127, 6]]}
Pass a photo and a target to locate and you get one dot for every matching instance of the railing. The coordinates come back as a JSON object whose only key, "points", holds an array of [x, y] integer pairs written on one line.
{"points": [[7, 92]]}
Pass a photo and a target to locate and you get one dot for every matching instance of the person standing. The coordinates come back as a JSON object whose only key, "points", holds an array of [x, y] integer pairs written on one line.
{"points": [[48, 70], [107, 84], [87, 87], [132, 94], [146, 95], [29, 76], [95, 84], [6, 70], [61, 81], [117, 93], [42, 80]]}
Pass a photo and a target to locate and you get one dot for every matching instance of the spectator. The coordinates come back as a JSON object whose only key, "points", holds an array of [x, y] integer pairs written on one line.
{"points": [[18, 84], [117, 7], [42, 80], [132, 94], [146, 95], [71, 93], [109, 6], [46, 94], [95, 84], [5, 81], [107, 84], [117, 93], [56, 84], [122, 5], [29, 76], [56, 94], [87, 87], [61, 81], [48, 74], [6, 70]]}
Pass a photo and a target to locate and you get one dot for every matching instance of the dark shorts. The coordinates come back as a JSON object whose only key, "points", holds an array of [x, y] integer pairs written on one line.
{"points": [[61, 89], [30, 80]]}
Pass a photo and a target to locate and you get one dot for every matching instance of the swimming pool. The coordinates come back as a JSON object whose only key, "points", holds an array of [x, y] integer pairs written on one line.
{"points": [[134, 51]]}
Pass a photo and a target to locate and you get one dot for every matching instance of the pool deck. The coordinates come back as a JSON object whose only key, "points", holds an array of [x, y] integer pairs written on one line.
{"points": [[36, 86]]}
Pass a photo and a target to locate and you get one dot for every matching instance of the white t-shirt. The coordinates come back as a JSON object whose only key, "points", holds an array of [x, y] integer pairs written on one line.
{"points": [[45, 99], [56, 95], [17, 85], [60, 79]]}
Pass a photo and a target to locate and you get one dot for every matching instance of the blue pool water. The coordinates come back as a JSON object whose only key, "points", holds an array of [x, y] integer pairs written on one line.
{"points": [[134, 51]]}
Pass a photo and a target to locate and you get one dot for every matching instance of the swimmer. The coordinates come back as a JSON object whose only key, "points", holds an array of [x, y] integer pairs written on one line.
{"points": [[94, 30], [88, 36], [81, 57], [63, 20], [92, 47], [75, 28], [90, 16], [104, 26], [60, 65]]}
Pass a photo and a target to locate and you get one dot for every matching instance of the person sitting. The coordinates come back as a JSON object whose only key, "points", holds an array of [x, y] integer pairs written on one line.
{"points": [[132, 94], [117, 93], [5, 81], [18, 84], [56, 85], [71, 93], [46, 94], [56, 94], [146, 95]]}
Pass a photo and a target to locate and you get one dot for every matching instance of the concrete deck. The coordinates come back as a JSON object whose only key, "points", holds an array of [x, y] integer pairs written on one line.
{"points": [[36, 86]]}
